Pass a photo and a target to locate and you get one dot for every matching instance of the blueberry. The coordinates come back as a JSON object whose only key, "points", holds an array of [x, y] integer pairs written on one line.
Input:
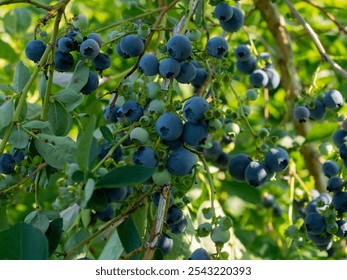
{"points": [[66, 44], [113, 117], [180, 162], [273, 78], [318, 112], [153, 88], [179, 47], [174, 215], [234, 23], [339, 137], [139, 135], [169, 126], [101, 62], [268, 200], [335, 184], [131, 110], [246, 66], [219, 235], [80, 21], [333, 99], [342, 228], [315, 223], [96, 37], [340, 201], [330, 168], [34, 50], [258, 78], [107, 214], [212, 153], [265, 57], [242, 52], [222, 161], [200, 77], [301, 113], [7, 163], [116, 194], [194, 134], [179, 227], [237, 166], [145, 156], [132, 45], [169, 68], [149, 65], [217, 47], [165, 243], [200, 254], [92, 83], [256, 174], [74, 34], [89, 48], [194, 109], [252, 94], [174, 144], [187, 73], [120, 52], [18, 155], [276, 159], [223, 12], [63, 61], [105, 148], [343, 151], [319, 239], [311, 207]]}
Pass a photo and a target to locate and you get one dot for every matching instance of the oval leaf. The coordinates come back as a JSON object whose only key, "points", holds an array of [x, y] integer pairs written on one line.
{"points": [[58, 119], [79, 77], [6, 112], [37, 220], [18, 138], [21, 76], [84, 152]]}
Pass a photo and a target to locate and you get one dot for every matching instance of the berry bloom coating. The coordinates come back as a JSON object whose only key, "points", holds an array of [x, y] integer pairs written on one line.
{"points": [[213, 153], [342, 228], [200, 254], [179, 47], [220, 236], [89, 48], [234, 23], [107, 214], [153, 88], [256, 174], [339, 137], [169, 126], [242, 52], [139, 134], [200, 77], [96, 37], [343, 151], [276, 159], [132, 45], [169, 68], [174, 215], [66, 44], [165, 243], [246, 66], [194, 109], [7, 163], [335, 184], [333, 99], [274, 78], [330, 168], [131, 110], [318, 112], [149, 65], [187, 73], [120, 52], [340, 201], [314, 223], [180, 162], [194, 134], [223, 12], [145, 156], [217, 47], [101, 62], [179, 227], [34, 50], [157, 106], [258, 78], [301, 113], [252, 94], [63, 62], [237, 166], [92, 83]]}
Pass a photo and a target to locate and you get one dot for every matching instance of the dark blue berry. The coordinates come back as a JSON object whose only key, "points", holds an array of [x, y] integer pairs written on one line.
{"points": [[180, 162], [246, 66], [169, 126], [217, 47], [101, 62], [330, 168], [132, 45], [333, 99], [314, 223], [92, 83], [34, 50], [187, 73], [145, 156], [7, 163], [149, 65], [237, 166], [169, 68], [256, 174], [200, 254], [301, 113], [194, 134], [318, 112], [63, 61], [66, 44], [194, 109], [179, 47], [276, 159], [131, 110], [234, 23], [89, 48], [242, 52], [223, 12], [258, 78]]}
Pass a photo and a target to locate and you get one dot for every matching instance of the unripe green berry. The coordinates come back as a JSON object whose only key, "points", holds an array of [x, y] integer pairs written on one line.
{"points": [[232, 129], [140, 135], [252, 94], [225, 223], [220, 236], [162, 177], [193, 35], [208, 213], [325, 148], [153, 89], [224, 255], [144, 31], [263, 132], [246, 110], [204, 229], [80, 21], [330, 216], [292, 231], [215, 124], [145, 121], [332, 227], [157, 106]]}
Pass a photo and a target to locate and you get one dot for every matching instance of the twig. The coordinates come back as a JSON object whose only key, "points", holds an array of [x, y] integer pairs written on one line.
{"points": [[133, 253], [310, 32], [31, 2]]}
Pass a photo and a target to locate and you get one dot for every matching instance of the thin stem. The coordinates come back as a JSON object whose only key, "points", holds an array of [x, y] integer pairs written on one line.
{"points": [[31, 2], [210, 180], [292, 190], [133, 253], [302, 184], [314, 80]]}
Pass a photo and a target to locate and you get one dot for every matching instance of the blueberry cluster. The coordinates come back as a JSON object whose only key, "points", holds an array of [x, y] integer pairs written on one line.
{"points": [[231, 19], [242, 168]]}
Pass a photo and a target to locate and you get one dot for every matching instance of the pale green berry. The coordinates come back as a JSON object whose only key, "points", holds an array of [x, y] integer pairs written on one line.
{"points": [[220, 236], [252, 94], [325, 148], [157, 106], [162, 177], [193, 35], [80, 21], [140, 135]]}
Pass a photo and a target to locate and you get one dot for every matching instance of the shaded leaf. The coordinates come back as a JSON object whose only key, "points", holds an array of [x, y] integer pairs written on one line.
{"points": [[84, 145], [113, 248], [36, 125], [79, 77], [21, 76], [243, 191], [68, 96], [17, 21], [106, 133], [129, 236], [69, 216], [320, 131], [7, 51], [18, 139], [6, 113], [58, 119], [54, 234], [37, 220]]}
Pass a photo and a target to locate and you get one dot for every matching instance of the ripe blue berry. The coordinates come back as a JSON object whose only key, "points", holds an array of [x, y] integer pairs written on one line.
{"points": [[116, 194], [319, 239], [63, 61], [194, 109], [165, 243], [106, 215], [335, 184], [339, 137], [180, 162], [318, 112], [111, 117], [179, 47], [149, 65], [101, 62], [242, 52], [301, 113], [132, 45], [179, 227], [340, 201], [169, 126], [246, 66], [169, 68], [66, 44], [96, 37], [131, 110], [106, 147], [268, 200], [330, 168], [174, 215], [273, 77], [7, 163], [187, 73], [121, 53], [74, 34], [234, 23], [258, 78], [200, 77], [237, 166], [342, 228], [314, 223], [276, 159], [343, 151], [145, 156], [200, 254], [256, 174], [222, 161], [34, 50], [213, 153], [92, 83], [223, 12], [217, 47], [89, 48], [194, 134], [333, 99]]}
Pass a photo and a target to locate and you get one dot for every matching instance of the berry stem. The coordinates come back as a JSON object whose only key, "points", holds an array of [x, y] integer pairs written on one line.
{"points": [[291, 182]]}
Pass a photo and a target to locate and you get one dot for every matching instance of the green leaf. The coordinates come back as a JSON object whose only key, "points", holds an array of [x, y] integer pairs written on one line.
{"points": [[36, 125], [106, 133], [17, 21], [32, 111], [42, 85], [88, 192], [79, 77], [58, 119], [56, 150], [126, 176], [113, 248], [69, 216], [68, 96], [6, 51], [37, 220], [23, 242], [244, 191], [3, 218], [320, 131], [18, 139], [75, 238], [21, 76], [84, 145], [54, 234], [6, 112], [129, 236]]}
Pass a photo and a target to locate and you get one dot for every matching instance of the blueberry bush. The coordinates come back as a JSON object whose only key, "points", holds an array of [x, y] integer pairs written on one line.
{"points": [[173, 129]]}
